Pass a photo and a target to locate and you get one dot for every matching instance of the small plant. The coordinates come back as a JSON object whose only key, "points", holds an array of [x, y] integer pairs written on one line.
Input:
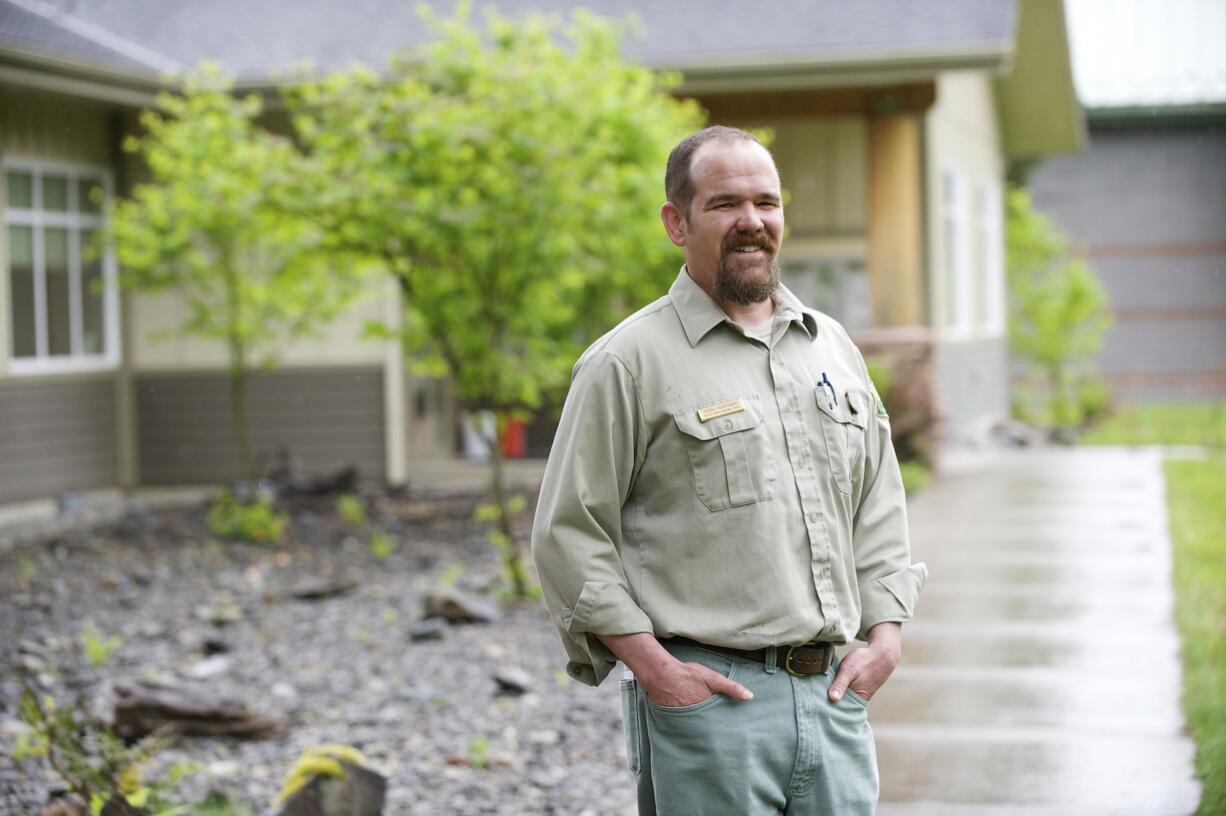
{"points": [[351, 509], [258, 522], [95, 764], [478, 751], [25, 566], [381, 545], [519, 584], [450, 576], [915, 477], [98, 649]]}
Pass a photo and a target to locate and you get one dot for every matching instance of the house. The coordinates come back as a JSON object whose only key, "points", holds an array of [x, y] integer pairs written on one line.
{"points": [[893, 122], [1146, 201]]}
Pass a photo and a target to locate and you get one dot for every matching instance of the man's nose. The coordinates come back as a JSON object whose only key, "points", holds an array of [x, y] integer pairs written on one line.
{"points": [[749, 219]]}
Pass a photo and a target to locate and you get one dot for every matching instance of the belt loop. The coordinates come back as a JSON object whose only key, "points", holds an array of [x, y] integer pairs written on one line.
{"points": [[771, 662]]}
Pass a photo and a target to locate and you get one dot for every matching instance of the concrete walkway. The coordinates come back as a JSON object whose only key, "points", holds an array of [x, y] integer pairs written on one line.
{"points": [[1042, 674]]}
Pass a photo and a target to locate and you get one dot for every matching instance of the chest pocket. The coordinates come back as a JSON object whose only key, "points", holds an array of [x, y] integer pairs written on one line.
{"points": [[843, 423], [729, 456]]}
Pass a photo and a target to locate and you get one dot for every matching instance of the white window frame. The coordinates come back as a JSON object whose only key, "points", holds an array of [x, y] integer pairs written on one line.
{"points": [[959, 320], [991, 231], [75, 222]]}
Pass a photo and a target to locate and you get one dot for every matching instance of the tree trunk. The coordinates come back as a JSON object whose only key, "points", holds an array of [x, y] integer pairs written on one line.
{"points": [[510, 551], [238, 370]]}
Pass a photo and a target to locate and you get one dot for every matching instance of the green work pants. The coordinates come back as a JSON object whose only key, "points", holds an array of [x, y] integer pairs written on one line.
{"points": [[789, 750]]}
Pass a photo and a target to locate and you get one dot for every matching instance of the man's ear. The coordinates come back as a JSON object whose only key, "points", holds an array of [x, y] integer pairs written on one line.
{"points": [[674, 223]]}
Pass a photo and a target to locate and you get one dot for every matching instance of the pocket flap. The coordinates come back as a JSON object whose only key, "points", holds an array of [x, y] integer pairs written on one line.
{"points": [[852, 407], [748, 416]]}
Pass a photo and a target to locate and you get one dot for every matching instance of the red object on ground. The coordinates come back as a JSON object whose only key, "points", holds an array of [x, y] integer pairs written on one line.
{"points": [[514, 441]]}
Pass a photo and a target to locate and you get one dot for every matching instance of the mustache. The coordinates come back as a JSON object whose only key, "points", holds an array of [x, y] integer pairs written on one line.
{"points": [[759, 240]]}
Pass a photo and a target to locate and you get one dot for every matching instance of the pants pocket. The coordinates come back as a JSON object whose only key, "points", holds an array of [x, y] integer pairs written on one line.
{"points": [[630, 724]]}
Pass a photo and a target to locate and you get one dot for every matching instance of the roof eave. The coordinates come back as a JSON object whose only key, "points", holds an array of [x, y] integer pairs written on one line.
{"points": [[735, 74], [77, 78]]}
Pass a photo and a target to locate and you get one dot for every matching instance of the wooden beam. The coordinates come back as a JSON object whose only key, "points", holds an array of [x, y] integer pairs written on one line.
{"points": [[874, 101]]}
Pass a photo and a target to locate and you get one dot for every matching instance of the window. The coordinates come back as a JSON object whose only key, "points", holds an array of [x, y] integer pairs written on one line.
{"points": [[958, 295], [62, 290], [989, 229]]}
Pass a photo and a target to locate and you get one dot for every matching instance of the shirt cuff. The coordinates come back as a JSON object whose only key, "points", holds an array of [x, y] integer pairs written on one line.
{"points": [[891, 597], [603, 608]]}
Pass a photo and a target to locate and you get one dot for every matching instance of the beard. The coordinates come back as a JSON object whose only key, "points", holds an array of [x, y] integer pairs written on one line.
{"points": [[747, 280]]}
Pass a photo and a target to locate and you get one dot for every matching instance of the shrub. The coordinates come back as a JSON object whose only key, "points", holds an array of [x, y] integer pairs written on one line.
{"points": [[1057, 319], [258, 521]]}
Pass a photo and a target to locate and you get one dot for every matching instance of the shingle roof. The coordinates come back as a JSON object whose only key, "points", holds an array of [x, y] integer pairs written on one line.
{"points": [[255, 38], [24, 28]]}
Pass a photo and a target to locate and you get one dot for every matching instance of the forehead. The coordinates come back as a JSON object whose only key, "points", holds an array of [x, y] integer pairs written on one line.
{"points": [[728, 167]]}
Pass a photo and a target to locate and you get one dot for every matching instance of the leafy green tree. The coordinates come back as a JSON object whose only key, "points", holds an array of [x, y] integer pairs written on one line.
{"points": [[211, 226], [509, 178], [1058, 315]]}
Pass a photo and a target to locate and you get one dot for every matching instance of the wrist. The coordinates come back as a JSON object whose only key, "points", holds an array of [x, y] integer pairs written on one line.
{"points": [[886, 638]]}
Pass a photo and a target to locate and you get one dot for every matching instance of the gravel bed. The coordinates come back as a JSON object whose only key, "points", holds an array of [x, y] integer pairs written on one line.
{"points": [[342, 669]]}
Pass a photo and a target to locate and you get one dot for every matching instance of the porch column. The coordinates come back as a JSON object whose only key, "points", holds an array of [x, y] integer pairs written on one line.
{"points": [[395, 408], [895, 222]]}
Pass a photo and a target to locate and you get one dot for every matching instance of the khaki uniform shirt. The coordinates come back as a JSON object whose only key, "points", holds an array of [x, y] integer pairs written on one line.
{"points": [[705, 484]]}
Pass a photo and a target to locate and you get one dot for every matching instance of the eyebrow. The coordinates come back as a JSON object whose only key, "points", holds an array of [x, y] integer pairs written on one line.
{"points": [[720, 198]]}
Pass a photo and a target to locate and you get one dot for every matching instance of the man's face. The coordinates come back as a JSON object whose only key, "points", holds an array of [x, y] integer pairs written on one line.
{"points": [[734, 227]]}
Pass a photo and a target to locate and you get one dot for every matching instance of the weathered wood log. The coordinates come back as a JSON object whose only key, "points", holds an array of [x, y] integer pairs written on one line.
{"points": [[141, 708]]}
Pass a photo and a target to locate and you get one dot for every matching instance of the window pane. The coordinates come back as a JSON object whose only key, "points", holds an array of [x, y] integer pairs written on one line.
{"points": [[55, 193], [20, 189], [59, 326], [21, 278], [93, 338], [89, 195]]}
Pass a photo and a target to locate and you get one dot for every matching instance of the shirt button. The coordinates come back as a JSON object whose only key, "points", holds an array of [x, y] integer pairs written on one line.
{"points": [[813, 518], [727, 423]]}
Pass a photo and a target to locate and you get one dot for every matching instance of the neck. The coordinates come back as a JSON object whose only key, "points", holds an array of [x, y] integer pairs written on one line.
{"points": [[750, 314]]}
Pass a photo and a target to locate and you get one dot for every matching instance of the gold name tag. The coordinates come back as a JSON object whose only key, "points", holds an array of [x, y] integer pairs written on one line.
{"points": [[719, 409]]}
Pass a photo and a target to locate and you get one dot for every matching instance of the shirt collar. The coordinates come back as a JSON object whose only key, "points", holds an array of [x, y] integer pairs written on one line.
{"points": [[699, 313]]}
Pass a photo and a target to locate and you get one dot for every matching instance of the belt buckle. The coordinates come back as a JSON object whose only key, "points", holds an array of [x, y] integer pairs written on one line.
{"points": [[787, 660]]}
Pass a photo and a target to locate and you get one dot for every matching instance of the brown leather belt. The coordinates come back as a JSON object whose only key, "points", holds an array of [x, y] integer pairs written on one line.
{"points": [[807, 658]]}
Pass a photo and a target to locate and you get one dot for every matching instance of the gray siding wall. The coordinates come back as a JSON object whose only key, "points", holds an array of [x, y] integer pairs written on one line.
{"points": [[972, 384], [326, 419], [56, 436], [1148, 206]]}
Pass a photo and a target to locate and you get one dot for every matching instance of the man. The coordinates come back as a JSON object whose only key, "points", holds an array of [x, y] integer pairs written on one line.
{"points": [[721, 506]]}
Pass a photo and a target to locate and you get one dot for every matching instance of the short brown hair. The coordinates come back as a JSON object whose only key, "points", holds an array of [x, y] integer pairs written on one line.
{"points": [[678, 183]]}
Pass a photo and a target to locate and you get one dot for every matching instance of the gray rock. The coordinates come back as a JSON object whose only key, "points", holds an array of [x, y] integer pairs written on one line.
{"points": [[221, 614], [360, 792], [458, 607], [512, 679], [430, 629], [208, 668]]}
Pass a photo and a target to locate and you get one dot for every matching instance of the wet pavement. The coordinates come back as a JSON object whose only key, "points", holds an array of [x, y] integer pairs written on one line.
{"points": [[1041, 675]]}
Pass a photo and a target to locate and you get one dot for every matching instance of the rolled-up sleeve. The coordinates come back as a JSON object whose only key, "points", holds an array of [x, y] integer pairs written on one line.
{"points": [[889, 584], [577, 532]]}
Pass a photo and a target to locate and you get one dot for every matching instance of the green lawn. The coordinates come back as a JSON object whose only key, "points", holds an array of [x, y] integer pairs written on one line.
{"points": [[1196, 493], [1202, 423], [1196, 496]]}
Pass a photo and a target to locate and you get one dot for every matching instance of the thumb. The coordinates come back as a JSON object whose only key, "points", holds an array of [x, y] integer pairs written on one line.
{"points": [[719, 684], [842, 679]]}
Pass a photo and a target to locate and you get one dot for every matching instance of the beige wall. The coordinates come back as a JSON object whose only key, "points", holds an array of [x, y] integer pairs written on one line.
{"points": [[156, 345], [961, 135]]}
